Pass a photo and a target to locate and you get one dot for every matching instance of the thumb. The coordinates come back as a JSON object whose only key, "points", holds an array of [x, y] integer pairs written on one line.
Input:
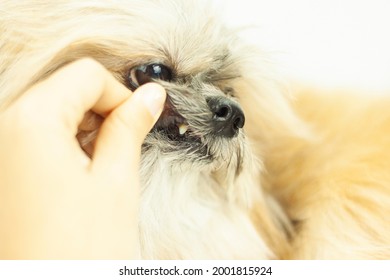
{"points": [[118, 145]]}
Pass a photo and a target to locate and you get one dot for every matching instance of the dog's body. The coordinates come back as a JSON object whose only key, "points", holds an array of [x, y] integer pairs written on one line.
{"points": [[210, 188], [337, 185]]}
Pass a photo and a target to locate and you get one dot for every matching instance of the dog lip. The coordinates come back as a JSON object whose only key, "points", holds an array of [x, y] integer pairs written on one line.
{"points": [[175, 127], [168, 119]]}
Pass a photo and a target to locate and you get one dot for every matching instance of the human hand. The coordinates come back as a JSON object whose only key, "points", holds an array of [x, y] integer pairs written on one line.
{"points": [[55, 201]]}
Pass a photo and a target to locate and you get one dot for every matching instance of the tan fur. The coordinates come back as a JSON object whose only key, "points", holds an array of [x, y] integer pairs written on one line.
{"points": [[336, 187], [325, 160]]}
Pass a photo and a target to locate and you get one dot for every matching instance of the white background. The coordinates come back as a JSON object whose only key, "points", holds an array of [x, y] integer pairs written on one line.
{"points": [[109, 270], [332, 43]]}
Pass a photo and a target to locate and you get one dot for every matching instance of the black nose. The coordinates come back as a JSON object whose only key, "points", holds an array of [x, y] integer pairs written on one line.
{"points": [[228, 116]]}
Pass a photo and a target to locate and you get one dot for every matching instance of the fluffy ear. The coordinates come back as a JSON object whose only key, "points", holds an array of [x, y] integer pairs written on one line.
{"points": [[31, 47], [35, 63]]}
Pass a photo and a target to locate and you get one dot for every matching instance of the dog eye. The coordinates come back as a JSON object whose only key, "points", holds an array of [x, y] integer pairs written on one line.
{"points": [[146, 73]]}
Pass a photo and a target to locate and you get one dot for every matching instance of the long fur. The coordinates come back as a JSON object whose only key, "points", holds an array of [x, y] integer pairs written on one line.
{"points": [[283, 188], [337, 186]]}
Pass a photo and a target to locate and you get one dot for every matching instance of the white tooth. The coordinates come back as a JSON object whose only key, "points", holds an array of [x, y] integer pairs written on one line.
{"points": [[183, 128]]}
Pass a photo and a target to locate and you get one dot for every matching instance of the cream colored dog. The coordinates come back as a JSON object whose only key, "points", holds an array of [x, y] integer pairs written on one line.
{"points": [[232, 169]]}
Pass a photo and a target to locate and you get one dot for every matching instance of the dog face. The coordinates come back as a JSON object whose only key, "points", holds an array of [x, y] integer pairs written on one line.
{"points": [[202, 121]]}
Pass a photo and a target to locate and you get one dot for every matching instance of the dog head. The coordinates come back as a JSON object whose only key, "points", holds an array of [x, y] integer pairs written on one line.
{"points": [[215, 84]]}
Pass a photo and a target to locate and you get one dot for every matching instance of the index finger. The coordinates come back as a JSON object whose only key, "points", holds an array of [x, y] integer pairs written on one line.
{"points": [[78, 87]]}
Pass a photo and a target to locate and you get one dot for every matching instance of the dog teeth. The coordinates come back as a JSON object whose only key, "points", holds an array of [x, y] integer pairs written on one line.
{"points": [[183, 128]]}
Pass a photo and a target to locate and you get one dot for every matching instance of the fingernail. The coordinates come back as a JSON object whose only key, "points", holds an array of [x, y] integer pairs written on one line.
{"points": [[153, 96]]}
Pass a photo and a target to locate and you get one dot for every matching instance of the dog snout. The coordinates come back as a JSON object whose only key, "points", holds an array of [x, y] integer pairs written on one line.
{"points": [[228, 116]]}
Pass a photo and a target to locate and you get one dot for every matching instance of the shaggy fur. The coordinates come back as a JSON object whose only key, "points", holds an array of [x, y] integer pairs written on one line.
{"points": [[219, 198], [337, 186]]}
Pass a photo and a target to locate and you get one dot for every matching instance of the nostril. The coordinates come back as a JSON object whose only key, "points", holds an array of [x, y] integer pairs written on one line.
{"points": [[238, 122], [228, 116], [223, 112]]}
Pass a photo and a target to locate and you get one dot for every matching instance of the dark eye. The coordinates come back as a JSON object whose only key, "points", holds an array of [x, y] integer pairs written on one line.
{"points": [[146, 73]]}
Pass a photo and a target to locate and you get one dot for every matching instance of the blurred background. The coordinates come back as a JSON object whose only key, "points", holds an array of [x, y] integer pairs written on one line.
{"points": [[327, 43]]}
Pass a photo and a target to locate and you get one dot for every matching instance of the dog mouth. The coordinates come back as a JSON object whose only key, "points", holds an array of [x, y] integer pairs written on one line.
{"points": [[192, 128], [175, 128]]}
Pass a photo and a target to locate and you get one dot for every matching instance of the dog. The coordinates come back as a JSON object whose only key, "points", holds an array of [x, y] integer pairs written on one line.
{"points": [[234, 168]]}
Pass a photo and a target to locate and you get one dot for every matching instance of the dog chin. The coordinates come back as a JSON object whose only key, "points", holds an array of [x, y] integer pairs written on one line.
{"points": [[203, 153]]}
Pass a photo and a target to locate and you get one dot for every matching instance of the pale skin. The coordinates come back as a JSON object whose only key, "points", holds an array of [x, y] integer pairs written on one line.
{"points": [[55, 201]]}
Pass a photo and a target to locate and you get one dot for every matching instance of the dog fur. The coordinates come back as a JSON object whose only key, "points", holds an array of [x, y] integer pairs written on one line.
{"points": [[306, 178]]}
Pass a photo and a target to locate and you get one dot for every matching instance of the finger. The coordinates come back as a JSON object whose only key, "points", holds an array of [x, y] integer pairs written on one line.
{"points": [[119, 141], [77, 87]]}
